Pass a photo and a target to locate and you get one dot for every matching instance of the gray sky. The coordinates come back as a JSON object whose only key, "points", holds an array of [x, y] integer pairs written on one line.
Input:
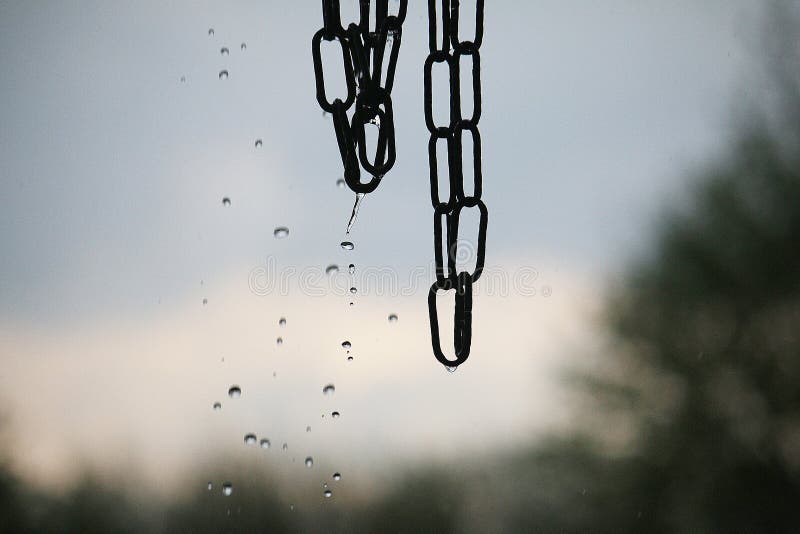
{"points": [[112, 172]]}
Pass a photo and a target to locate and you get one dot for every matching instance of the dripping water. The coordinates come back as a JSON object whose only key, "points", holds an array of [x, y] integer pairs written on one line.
{"points": [[354, 214]]}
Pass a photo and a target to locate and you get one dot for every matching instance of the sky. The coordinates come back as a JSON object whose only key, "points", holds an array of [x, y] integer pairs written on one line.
{"points": [[596, 115]]}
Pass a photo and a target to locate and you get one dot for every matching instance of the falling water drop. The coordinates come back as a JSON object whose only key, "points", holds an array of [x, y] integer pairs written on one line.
{"points": [[227, 489], [217, 406], [291, 508], [331, 269], [282, 321], [279, 341], [259, 143], [224, 51], [280, 232], [327, 493], [335, 415], [351, 268], [308, 428], [250, 439], [340, 183], [223, 74], [354, 213], [329, 389], [226, 201], [210, 486], [243, 46], [309, 461], [353, 290], [265, 443], [205, 301], [346, 345], [393, 318], [450, 369], [235, 392], [347, 245], [211, 31], [183, 79], [285, 447], [349, 358], [337, 476]]}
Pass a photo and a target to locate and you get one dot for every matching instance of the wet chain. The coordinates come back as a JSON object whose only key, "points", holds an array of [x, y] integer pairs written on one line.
{"points": [[364, 51], [450, 51]]}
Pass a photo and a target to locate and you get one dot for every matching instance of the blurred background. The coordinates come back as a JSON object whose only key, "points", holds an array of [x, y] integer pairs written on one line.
{"points": [[634, 362]]}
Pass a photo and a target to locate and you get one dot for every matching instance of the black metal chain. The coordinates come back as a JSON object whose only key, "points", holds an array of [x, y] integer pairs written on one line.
{"points": [[363, 54], [450, 51]]}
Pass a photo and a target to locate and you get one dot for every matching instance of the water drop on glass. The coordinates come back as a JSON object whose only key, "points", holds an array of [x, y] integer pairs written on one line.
{"points": [[259, 143], [217, 406], [335, 415], [331, 269], [346, 345], [329, 389], [340, 183], [393, 318], [235, 392], [250, 439], [223, 74], [337, 476], [282, 321], [309, 461], [224, 51], [347, 245], [281, 232], [227, 489], [450, 369], [226, 201]]}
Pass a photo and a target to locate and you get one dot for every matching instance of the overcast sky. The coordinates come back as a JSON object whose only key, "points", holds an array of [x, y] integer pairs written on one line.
{"points": [[113, 231]]}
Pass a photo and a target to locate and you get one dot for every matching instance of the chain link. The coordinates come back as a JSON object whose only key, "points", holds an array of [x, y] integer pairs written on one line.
{"points": [[364, 51], [450, 51]]}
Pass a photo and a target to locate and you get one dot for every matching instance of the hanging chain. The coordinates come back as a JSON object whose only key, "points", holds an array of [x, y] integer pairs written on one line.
{"points": [[450, 51], [364, 51]]}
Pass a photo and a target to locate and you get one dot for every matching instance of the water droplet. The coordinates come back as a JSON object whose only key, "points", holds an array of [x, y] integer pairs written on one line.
{"points": [[349, 358], [226, 201], [250, 439], [337, 476], [340, 183], [282, 321], [308, 428], [211, 31], [392, 318], [347, 245], [331, 269], [224, 51], [335, 415], [351, 268], [227, 489], [243, 46], [223, 74], [329, 389], [235, 392], [279, 341], [450, 369], [183, 78], [265, 443], [205, 301], [346, 345], [327, 493], [352, 303], [309, 461], [281, 232], [353, 290], [259, 143], [285, 447], [210, 486], [217, 406], [291, 508], [354, 213]]}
